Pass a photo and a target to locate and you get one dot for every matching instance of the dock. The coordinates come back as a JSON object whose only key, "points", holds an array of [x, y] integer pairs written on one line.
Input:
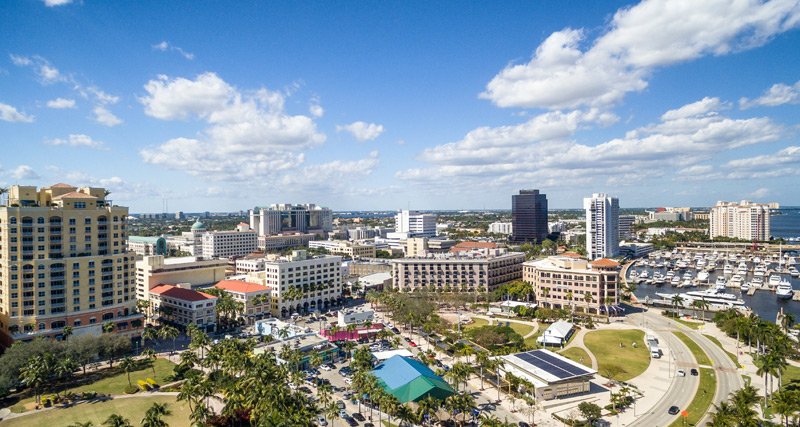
{"points": [[796, 296], [752, 290]]}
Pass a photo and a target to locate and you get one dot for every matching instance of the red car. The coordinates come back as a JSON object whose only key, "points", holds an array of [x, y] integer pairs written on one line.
{"points": [[412, 343]]}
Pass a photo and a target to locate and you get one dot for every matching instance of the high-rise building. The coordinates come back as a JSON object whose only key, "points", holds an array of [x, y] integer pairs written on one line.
{"points": [[414, 223], [288, 218], [528, 216], [602, 226], [64, 262], [626, 223], [744, 220]]}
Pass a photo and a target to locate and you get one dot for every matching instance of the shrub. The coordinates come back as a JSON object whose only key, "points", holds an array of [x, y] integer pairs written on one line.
{"points": [[131, 389]]}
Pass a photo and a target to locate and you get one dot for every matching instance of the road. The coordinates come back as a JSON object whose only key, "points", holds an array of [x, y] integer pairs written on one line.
{"points": [[682, 389]]}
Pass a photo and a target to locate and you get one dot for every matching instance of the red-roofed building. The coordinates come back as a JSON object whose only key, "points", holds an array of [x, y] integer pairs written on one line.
{"points": [[256, 299], [604, 263], [183, 306], [468, 246]]}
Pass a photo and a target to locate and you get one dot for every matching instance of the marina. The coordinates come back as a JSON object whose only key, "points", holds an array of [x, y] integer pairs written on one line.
{"points": [[761, 282]]}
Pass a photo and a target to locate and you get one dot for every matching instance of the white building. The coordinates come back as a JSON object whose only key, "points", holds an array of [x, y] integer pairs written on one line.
{"points": [[155, 270], [556, 334], [551, 374], [602, 226], [351, 317], [318, 281], [229, 244], [344, 247], [744, 220], [283, 218], [626, 227], [501, 228], [414, 223]]}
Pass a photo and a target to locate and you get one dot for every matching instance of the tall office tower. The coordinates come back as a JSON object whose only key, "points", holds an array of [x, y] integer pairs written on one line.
{"points": [[288, 218], [414, 223], [528, 216], [64, 262], [602, 226], [744, 220], [626, 223]]}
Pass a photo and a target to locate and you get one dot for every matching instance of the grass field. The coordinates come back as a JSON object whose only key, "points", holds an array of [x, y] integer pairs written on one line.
{"points": [[114, 384], [701, 401], [792, 373], [131, 408], [615, 355], [577, 354], [476, 323], [520, 328], [716, 341], [689, 323], [699, 354]]}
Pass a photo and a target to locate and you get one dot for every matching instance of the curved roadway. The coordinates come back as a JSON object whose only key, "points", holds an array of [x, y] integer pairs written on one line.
{"points": [[682, 390]]}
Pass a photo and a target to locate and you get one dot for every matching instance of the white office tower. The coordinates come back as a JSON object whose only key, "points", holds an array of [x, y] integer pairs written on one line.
{"points": [[744, 220], [414, 223], [287, 218], [602, 226]]}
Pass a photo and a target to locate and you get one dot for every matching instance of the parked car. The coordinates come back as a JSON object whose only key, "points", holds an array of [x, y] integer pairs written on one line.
{"points": [[348, 381], [343, 414], [325, 367], [396, 331], [322, 421], [305, 390], [673, 410], [340, 404], [358, 416], [412, 343], [407, 339], [694, 372], [350, 421]]}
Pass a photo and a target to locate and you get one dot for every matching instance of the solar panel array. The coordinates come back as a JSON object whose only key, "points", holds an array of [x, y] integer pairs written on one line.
{"points": [[552, 365]]}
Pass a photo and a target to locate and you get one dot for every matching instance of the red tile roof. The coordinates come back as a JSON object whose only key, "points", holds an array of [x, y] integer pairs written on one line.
{"points": [[173, 291], [572, 255], [466, 246], [240, 286], [75, 195], [62, 185], [604, 262]]}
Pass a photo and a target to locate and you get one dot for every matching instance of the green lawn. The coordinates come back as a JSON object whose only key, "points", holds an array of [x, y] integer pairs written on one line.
{"points": [[476, 323], [689, 323], [131, 408], [115, 384], [520, 328], [699, 354], [716, 341], [615, 354], [792, 373], [577, 354], [701, 401], [531, 341]]}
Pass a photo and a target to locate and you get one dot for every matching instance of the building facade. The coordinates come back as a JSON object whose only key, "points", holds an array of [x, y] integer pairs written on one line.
{"points": [[414, 223], [64, 262], [626, 229], [181, 306], [475, 271], [289, 218], [152, 271], [602, 226], [229, 244], [574, 283], [744, 220], [255, 298], [528, 216], [300, 283], [343, 247], [143, 246], [501, 228]]}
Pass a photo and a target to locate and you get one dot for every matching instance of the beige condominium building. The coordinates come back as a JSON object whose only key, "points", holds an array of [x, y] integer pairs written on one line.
{"points": [[744, 220], [480, 270], [63, 262], [575, 283], [179, 305], [343, 247], [317, 282], [155, 270]]}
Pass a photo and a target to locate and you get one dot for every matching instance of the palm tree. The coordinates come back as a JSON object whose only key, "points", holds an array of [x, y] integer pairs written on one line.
{"points": [[154, 415], [786, 404], [332, 412], [545, 294], [677, 301], [150, 354], [428, 407], [108, 327], [128, 365], [169, 332], [724, 415], [589, 299], [483, 361], [149, 334], [116, 420], [787, 321], [406, 415], [66, 332], [35, 373]]}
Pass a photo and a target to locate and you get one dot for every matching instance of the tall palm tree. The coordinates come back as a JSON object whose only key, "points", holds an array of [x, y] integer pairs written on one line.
{"points": [[589, 299], [786, 403], [35, 374], [116, 420], [66, 332], [428, 407], [332, 412], [128, 365], [154, 417], [169, 332], [149, 334], [483, 360], [677, 301]]}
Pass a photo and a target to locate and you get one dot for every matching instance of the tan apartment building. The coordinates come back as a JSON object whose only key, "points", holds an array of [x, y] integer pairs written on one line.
{"points": [[181, 306], [557, 278], [343, 247], [255, 299], [477, 270], [64, 262], [155, 270]]}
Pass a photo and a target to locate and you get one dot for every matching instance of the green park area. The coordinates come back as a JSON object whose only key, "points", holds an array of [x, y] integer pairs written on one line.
{"points": [[689, 323], [699, 406], [112, 381], [577, 354], [699, 354], [621, 354], [476, 323], [132, 408]]}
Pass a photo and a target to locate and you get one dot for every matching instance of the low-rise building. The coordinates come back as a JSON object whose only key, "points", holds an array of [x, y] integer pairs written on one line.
{"points": [[551, 374], [469, 271], [343, 247], [145, 245], [376, 281], [155, 270], [229, 244], [352, 317], [501, 228], [181, 306], [284, 241], [557, 333], [574, 283], [255, 299], [636, 250]]}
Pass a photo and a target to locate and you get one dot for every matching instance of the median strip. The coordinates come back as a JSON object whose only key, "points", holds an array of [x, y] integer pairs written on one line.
{"points": [[699, 354], [698, 407]]}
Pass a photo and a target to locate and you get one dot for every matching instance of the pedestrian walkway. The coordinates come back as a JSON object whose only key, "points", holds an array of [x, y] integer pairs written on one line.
{"points": [[577, 341]]}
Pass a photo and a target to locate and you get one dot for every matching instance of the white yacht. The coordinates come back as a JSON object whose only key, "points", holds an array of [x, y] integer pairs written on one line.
{"points": [[742, 268], [784, 290], [687, 275], [736, 280], [793, 271], [721, 282], [702, 277], [728, 270], [658, 278], [675, 281], [745, 286], [715, 299], [757, 282], [681, 264], [774, 280], [644, 275]]}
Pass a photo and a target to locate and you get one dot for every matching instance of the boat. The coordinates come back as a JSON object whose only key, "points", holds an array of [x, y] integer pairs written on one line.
{"points": [[644, 275], [757, 282], [702, 277], [784, 290], [721, 282], [658, 278], [794, 272], [675, 281], [745, 286], [715, 299], [728, 270], [687, 283], [736, 280], [774, 280], [687, 275], [634, 274], [681, 264]]}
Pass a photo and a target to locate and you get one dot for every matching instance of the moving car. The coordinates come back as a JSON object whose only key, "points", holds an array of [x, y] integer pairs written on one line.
{"points": [[694, 372], [681, 373], [673, 410]]}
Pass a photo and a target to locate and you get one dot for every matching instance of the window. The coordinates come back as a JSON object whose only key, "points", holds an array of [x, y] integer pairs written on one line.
{"points": [[72, 221], [80, 205]]}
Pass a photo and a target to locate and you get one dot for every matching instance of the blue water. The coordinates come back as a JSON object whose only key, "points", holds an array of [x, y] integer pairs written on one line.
{"points": [[786, 225]]}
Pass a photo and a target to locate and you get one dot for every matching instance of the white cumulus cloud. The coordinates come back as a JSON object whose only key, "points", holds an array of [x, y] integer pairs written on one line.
{"points": [[638, 40], [76, 140], [778, 94], [24, 172], [362, 131], [61, 103], [105, 117], [9, 113], [165, 46]]}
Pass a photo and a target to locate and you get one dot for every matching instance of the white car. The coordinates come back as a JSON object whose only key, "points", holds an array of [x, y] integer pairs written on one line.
{"points": [[325, 367], [681, 373], [348, 381]]}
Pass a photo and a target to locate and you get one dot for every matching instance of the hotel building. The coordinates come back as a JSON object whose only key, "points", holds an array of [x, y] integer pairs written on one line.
{"points": [[744, 220], [556, 278], [63, 262], [479, 270], [229, 244], [415, 224], [343, 247]]}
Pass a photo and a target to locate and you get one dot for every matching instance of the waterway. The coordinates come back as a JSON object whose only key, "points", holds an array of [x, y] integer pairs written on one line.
{"points": [[763, 302], [787, 224]]}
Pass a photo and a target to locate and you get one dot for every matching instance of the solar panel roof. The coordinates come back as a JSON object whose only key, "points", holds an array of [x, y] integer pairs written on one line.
{"points": [[552, 365]]}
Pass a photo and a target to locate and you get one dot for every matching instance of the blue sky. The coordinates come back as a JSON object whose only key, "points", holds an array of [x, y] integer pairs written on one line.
{"points": [[383, 105]]}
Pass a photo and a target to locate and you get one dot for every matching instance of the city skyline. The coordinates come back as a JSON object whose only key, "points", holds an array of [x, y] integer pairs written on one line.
{"points": [[436, 106]]}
